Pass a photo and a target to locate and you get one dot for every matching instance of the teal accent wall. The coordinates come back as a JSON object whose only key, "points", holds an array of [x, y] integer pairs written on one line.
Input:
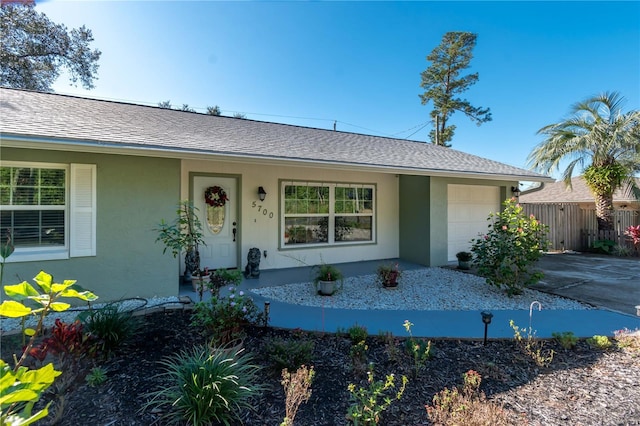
{"points": [[133, 195]]}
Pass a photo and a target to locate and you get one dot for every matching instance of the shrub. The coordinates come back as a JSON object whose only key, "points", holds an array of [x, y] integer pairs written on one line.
{"points": [[603, 246], [599, 342], [566, 339], [514, 242], [372, 400], [204, 385], [226, 317], [357, 333], [532, 346], [466, 405], [290, 354], [68, 342], [297, 389], [628, 339], [111, 327]]}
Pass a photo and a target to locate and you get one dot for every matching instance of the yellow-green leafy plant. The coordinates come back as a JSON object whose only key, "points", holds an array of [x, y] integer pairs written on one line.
{"points": [[418, 349], [566, 339], [599, 342], [297, 389], [531, 345], [21, 387], [370, 401]]}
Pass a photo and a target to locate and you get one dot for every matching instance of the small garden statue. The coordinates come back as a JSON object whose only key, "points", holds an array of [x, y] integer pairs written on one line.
{"points": [[252, 270]]}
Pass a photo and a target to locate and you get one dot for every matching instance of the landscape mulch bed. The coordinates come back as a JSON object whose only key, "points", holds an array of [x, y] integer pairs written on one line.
{"points": [[583, 386]]}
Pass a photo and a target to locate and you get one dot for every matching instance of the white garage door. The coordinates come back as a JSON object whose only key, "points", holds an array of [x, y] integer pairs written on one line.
{"points": [[468, 209]]}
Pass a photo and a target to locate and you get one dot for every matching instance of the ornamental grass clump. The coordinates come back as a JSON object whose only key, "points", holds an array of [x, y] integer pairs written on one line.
{"points": [[204, 386], [506, 254]]}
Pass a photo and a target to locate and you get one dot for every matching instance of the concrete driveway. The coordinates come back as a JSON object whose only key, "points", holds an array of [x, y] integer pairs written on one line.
{"points": [[607, 282]]}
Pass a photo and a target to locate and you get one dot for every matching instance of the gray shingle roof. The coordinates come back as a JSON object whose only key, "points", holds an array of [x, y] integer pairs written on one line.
{"points": [[60, 118], [557, 192]]}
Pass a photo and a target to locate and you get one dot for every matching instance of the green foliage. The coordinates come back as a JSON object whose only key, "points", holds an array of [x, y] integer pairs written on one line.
{"points": [[599, 138], [96, 376], [603, 246], [290, 354], [297, 389], [184, 233], [369, 402], [202, 386], [225, 317], [599, 342], [513, 243], [223, 278], [357, 333], [464, 256], [531, 346], [466, 405], [566, 339], [326, 272], [388, 275], [34, 49], [111, 327], [20, 387], [418, 349], [443, 84]]}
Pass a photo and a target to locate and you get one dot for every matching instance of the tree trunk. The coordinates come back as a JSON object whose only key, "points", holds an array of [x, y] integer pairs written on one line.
{"points": [[604, 212]]}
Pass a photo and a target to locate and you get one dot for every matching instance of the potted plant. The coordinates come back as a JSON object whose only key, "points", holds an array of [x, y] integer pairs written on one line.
{"points": [[184, 234], [388, 275], [325, 279], [223, 278], [464, 259]]}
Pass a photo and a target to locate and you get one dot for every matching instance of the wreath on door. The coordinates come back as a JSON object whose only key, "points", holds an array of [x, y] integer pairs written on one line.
{"points": [[215, 196]]}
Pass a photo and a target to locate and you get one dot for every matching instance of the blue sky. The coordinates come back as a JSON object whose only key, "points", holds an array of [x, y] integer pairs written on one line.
{"points": [[310, 63]]}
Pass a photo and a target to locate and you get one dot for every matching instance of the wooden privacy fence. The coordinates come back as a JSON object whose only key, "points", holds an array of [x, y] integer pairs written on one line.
{"points": [[574, 228]]}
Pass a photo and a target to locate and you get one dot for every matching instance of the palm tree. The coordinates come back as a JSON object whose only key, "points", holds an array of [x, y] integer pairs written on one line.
{"points": [[603, 141]]}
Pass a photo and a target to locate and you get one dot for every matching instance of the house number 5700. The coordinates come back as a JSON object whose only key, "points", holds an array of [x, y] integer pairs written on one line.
{"points": [[265, 212]]}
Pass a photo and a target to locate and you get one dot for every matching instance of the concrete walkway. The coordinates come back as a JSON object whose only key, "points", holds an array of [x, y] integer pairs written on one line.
{"points": [[435, 324]]}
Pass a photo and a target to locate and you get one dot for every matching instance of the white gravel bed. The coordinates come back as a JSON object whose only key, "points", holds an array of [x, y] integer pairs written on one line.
{"points": [[69, 316], [426, 289]]}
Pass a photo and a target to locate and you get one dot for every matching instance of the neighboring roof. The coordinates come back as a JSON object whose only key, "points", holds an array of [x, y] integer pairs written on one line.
{"points": [[558, 192], [75, 123]]}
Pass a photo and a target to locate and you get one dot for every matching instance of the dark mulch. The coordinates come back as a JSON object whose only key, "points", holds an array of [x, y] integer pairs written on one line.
{"points": [[581, 386]]}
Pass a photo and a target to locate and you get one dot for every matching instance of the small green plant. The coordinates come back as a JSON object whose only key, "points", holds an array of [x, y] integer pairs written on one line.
{"points": [[599, 342], [357, 333], [369, 402], [603, 246], [388, 275], [225, 317], [418, 349], [96, 376], [464, 256], [466, 405], [358, 354], [290, 354], [112, 327], [297, 389], [566, 339], [325, 272], [506, 254], [532, 346], [204, 385]]}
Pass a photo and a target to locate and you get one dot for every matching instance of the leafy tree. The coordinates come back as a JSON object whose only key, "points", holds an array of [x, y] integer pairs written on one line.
{"points": [[187, 108], [215, 110], [443, 83], [33, 50], [601, 137]]}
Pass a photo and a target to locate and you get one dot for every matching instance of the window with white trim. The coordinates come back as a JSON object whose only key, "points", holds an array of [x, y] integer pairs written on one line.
{"points": [[48, 209], [327, 214]]}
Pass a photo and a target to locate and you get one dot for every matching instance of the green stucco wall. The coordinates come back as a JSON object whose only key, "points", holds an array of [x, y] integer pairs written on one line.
{"points": [[133, 195]]}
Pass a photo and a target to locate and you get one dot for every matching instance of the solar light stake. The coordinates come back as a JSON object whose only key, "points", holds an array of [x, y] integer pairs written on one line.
{"points": [[267, 306], [486, 319]]}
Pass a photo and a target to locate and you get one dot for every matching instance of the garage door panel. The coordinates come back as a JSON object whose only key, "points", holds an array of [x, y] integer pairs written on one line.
{"points": [[468, 208]]}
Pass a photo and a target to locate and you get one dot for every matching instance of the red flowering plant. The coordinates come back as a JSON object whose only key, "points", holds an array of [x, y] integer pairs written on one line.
{"points": [[215, 196], [514, 242], [633, 232]]}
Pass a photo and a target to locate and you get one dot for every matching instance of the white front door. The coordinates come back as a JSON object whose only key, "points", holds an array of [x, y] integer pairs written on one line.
{"points": [[219, 223]]}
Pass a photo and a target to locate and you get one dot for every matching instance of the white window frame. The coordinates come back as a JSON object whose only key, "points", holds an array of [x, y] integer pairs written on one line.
{"points": [[80, 217], [331, 215]]}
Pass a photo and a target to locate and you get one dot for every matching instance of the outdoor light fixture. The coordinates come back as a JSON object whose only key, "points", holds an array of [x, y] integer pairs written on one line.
{"points": [[267, 306], [486, 319], [262, 194], [516, 191]]}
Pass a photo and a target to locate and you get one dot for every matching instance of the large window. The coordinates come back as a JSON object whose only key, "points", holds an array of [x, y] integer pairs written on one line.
{"points": [[320, 213], [48, 209]]}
